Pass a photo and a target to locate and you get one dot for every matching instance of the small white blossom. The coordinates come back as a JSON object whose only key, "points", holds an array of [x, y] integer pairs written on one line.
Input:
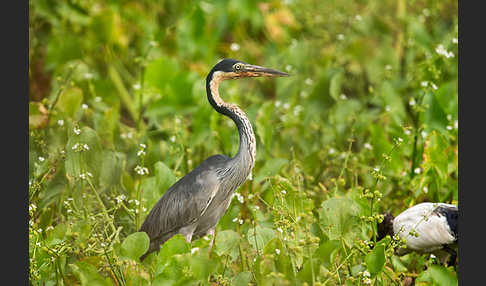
{"points": [[423, 134], [388, 67], [235, 47], [417, 170], [84, 106], [343, 96], [284, 192], [448, 127], [358, 18], [77, 130], [85, 147], [433, 86], [60, 122], [75, 146], [235, 219], [286, 106], [277, 251], [443, 52], [432, 256], [340, 37], [366, 273], [297, 110], [288, 68], [407, 132], [400, 139], [387, 108], [120, 198], [277, 103], [141, 170], [454, 40], [240, 198], [140, 153], [424, 83], [257, 208], [37, 244], [368, 146], [412, 102], [280, 230], [193, 250], [332, 151], [426, 190], [241, 221], [367, 281], [137, 86], [304, 94], [41, 159], [97, 99], [309, 81], [172, 139]]}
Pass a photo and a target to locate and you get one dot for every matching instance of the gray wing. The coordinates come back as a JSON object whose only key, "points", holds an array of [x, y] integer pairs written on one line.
{"points": [[185, 201]]}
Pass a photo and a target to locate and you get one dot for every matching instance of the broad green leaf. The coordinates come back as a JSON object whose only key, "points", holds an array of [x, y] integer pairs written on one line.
{"points": [[259, 238], [375, 260], [271, 168], [70, 101], [175, 245], [227, 242], [435, 155], [135, 245], [88, 275], [438, 275], [242, 279], [339, 218], [327, 251], [335, 85], [113, 164]]}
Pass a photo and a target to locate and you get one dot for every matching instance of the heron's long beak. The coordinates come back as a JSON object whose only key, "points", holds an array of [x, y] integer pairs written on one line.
{"points": [[254, 71]]}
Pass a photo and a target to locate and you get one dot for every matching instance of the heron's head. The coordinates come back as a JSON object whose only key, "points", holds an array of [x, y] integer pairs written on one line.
{"points": [[235, 69]]}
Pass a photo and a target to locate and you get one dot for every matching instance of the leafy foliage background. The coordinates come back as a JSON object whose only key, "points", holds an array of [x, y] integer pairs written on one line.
{"points": [[366, 123]]}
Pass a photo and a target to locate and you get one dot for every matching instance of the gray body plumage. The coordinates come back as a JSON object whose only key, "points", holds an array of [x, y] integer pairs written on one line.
{"points": [[194, 205]]}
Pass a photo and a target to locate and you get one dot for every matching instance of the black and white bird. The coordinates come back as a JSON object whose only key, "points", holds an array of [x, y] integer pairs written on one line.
{"points": [[194, 205], [427, 228]]}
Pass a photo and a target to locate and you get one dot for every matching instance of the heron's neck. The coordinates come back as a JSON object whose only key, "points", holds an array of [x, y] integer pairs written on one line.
{"points": [[245, 158]]}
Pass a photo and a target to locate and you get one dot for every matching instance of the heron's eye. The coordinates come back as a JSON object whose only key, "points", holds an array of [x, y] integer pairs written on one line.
{"points": [[237, 67]]}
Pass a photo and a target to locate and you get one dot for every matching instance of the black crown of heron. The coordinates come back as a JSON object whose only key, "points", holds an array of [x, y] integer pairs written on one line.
{"points": [[194, 205]]}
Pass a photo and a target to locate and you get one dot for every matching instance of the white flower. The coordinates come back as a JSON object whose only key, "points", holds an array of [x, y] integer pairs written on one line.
{"points": [[140, 153], [143, 145], [75, 146], [84, 106], [367, 281], [454, 40], [343, 96], [443, 52], [433, 86], [387, 108], [366, 274], [400, 139], [297, 110], [304, 94], [240, 198], [141, 170], [257, 208], [277, 251], [97, 99], [38, 244], [412, 101], [76, 130], [368, 146], [424, 83], [332, 150], [417, 170], [120, 198], [235, 47], [340, 37], [41, 159], [85, 147], [358, 18], [284, 192], [288, 68], [60, 122], [241, 221], [277, 103], [424, 134], [407, 132], [172, 139], [448, 127], [137, 86], [309, 81], [280, 230], [235, 219], [426, 190], [286, 106], [193, 250]]}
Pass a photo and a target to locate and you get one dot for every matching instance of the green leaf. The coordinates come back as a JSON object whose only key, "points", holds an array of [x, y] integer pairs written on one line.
{"points": [[438, 275], [335, 85], [271, 168], [175, 245], [327, 251], [435, 155], [339, 219], [242, 279], [70, 101], [227, 242], [259, 238], [375, 260], [88, 274], [135, 245]]}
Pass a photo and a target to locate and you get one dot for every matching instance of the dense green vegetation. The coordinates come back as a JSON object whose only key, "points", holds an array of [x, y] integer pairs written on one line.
{"points": [[118, 112]]}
